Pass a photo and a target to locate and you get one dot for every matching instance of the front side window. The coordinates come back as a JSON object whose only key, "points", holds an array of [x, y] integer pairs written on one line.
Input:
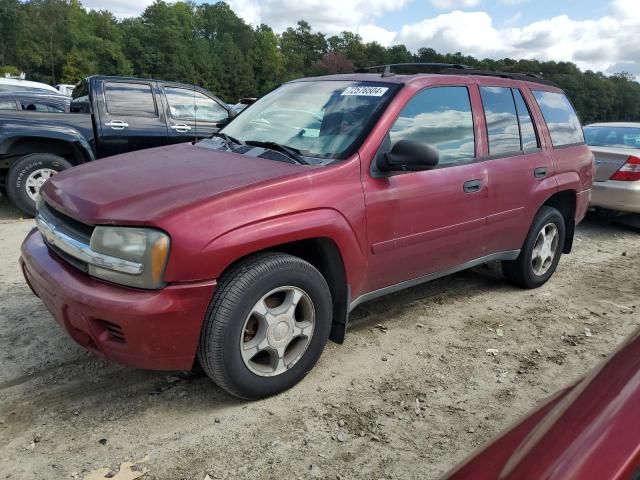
{"points": [[134, 99], [610, 136], [439, 117], [562, 121], [192, 105], [325, 118], [502, 120]]}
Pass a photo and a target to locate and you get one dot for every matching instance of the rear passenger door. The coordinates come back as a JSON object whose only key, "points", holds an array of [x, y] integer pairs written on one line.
{"points": [[130, 117], [520, 171], [192, 114], [421, 223]]}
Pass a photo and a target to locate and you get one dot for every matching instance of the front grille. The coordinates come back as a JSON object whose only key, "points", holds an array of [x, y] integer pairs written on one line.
{"points": [[73, 261]]}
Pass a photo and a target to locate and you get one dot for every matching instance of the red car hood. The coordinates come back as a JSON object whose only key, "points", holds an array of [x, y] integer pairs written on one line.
{"points": [[141, 187]]}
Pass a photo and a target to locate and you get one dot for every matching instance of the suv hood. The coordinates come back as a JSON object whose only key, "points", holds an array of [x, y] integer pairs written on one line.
{"points": [[141, 187]]}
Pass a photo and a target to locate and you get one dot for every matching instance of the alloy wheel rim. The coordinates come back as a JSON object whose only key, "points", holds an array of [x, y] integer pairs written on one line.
{"points": [[545, 249], [277, 331], [36, 179]]}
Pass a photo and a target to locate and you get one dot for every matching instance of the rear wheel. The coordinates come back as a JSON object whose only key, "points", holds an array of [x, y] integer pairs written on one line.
{"points": [[267, 325], [541, 251], [28, 174]]}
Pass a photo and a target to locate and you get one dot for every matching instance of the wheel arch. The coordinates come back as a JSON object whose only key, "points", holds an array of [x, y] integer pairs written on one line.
{"points": [[75, 150], [565, 201]]}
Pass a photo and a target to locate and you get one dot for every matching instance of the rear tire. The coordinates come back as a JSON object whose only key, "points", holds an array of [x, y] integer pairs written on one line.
{"points": [[27, 175], [266, 326], [541, 251]]}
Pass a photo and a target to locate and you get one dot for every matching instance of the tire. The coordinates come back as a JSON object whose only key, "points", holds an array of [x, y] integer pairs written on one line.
{"points": [[247, 311], [35, 167], [528, 270]]}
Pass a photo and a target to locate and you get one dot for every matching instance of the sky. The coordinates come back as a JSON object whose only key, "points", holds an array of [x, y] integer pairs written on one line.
{"points": [[601, 35]]}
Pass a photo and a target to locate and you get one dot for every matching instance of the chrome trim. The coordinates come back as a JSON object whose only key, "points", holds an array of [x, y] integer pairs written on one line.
{"points": [[507, 255], [82, 251]]}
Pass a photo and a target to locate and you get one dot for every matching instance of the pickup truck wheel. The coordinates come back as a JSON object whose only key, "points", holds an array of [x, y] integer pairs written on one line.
{"points": [[27, 175], [266, 326], [541, 252]]}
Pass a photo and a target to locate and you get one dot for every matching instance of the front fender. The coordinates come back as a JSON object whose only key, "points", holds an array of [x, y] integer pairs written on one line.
{"points": [[221, 252]]}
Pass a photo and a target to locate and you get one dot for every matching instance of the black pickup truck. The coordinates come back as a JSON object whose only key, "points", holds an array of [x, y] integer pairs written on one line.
{"points": [[109, 115]]}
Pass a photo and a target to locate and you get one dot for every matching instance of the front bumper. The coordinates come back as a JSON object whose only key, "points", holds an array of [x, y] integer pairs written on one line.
{"points": [[615, 195], [151, 329]]}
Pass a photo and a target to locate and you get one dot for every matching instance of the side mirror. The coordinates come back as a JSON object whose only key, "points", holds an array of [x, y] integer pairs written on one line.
{"points": [[232, 114], [408, 156]]}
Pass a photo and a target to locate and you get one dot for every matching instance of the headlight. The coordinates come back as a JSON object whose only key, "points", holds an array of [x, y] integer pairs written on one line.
{"points": [[145, 252]]}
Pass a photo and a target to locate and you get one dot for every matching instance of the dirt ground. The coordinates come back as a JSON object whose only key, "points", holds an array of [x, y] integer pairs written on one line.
{"points": [[65, 413]]}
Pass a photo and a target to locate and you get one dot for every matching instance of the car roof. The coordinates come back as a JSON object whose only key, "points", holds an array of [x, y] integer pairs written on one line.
{"points": [[27, 84], [403, 79], [615, 124]]}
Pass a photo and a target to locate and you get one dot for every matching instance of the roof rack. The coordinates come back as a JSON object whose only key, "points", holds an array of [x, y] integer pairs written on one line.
{"points": [[452, 69]]}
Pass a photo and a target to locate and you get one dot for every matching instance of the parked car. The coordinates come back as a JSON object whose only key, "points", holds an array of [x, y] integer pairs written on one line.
{"points": [[587, 430], [109, 115], [65, 88], [616, 147], [13, 84], [249, 249], [32, 100]]}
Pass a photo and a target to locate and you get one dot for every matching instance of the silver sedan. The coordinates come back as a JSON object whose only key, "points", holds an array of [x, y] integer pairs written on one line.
{"points": [[616, 147]]}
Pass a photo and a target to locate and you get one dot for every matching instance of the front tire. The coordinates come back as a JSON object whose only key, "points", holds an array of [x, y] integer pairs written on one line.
{"points": [[541, 251], [27, 175], [266, 326]]}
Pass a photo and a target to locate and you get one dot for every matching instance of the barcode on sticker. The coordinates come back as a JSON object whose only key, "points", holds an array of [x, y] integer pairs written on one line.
{"points": [[365, 91]]}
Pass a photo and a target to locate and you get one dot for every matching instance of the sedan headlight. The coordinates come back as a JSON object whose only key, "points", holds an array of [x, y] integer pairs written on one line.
{"points": [[136, 257]]}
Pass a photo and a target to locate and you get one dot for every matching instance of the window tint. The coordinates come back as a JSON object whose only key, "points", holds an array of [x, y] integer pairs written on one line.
{"points": [[189, 105], [502, 120], [527, 129], [8, 105], [130, 99], [627, 137], [560, 117], [80, 98], [440, 117]]}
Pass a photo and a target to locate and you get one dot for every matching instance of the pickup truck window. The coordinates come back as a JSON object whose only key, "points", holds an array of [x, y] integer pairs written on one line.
{"points": [[319, 118], [130, 99], [439, 117], [562, 121], [189, 105]]}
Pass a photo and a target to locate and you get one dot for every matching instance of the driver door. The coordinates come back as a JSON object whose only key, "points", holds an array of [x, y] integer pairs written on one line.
{"points": [[421, 223]]}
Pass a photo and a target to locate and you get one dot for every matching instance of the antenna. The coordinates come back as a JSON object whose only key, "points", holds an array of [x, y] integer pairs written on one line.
{"points": [[195, 114]]}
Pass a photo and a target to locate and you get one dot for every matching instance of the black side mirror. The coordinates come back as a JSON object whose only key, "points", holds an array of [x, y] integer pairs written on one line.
{"points": [[409, 156]]}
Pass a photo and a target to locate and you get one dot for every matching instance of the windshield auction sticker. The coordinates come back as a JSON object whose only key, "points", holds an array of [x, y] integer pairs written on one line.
{"points": [[365, 91]]}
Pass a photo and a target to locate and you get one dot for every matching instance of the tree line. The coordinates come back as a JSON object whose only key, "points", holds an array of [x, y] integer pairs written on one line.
{"points": [[59, 41]]}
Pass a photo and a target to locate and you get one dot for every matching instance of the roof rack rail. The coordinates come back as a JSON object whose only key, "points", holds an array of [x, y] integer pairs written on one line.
{"points": [[451, 69], [431, 67]]}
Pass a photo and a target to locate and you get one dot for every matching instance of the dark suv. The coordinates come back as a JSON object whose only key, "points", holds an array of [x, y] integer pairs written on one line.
{"points": [[249, 249]]}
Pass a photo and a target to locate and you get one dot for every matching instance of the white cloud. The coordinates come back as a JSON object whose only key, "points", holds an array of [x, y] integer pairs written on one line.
{"points": [[454, 4], [120, 8]]}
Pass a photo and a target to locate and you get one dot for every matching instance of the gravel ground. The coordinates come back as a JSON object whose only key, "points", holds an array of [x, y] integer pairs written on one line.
{"points": [[65, 413]]}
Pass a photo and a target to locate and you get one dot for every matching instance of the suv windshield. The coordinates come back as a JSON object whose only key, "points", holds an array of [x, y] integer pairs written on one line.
{"points": [[604, 136], [326, 119]]}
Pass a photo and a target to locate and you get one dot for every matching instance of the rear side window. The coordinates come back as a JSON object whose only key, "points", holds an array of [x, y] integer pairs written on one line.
{"points": [[130, 99], [562, 121], [440, 117], [502, 120]]}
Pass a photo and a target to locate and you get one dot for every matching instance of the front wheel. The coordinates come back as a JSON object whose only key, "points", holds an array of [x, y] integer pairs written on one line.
{"points": [[266, 326], [541, 251], [28, 174]]}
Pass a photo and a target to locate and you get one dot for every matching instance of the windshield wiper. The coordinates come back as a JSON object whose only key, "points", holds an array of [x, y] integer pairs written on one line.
{"points": [[229, 140], [293, 153]]}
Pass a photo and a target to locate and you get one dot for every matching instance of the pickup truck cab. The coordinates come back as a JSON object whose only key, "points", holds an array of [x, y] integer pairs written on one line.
{"points": [[249, 249], [109, 116]]}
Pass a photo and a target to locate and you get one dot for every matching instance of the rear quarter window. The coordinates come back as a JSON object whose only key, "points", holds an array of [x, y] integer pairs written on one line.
{"points": [[560, 117]]}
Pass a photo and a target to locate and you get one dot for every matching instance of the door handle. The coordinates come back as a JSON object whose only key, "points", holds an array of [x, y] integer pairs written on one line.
{"points": [[116, 124], [472, 186], [181, 127], [540, 172]]}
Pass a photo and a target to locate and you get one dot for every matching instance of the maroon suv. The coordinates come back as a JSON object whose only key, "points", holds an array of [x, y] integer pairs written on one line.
{"points": [[248, 250]]}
